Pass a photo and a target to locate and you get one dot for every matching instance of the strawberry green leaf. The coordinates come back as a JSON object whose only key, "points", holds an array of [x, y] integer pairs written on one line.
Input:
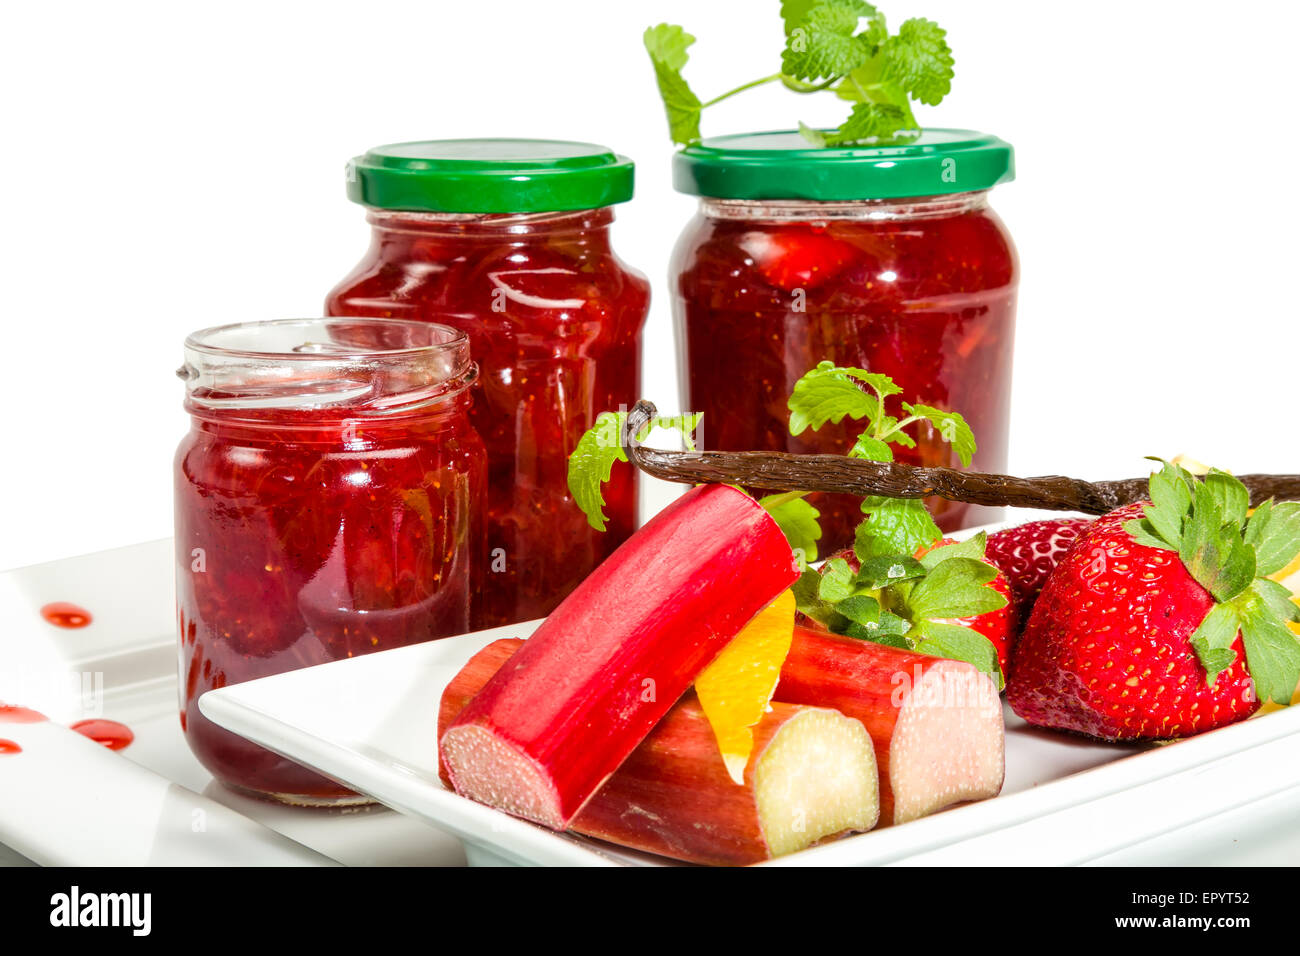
{"points": [[973, 547], [1278, 597], [1213, 641], [828, 394], [1231, 495], [1144, 533], [955, 588], [1257, 523], [823, 45], [960, 644], [797, 520], [919, 60], [951, 427], [894, 526], [667, 45], [1276, 536], [1171, 497], [1272, 653], [1215, 555]]}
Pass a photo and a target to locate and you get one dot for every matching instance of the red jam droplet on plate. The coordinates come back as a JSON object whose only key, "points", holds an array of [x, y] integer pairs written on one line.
{"points": [[8, 747], [110, 733], [20, 715], [63, 614]]}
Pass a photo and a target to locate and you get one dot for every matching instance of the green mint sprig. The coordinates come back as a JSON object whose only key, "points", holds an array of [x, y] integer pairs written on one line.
{"points": [[1230, 552], [904, 602], [840, 46], [592, 462], [830, 393]]}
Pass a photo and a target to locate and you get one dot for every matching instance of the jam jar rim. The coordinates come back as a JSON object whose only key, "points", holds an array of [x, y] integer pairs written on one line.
{"points": [[357, 380]]}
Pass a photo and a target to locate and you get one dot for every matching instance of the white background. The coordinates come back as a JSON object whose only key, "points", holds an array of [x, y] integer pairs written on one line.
{"points": [[170, 166]]}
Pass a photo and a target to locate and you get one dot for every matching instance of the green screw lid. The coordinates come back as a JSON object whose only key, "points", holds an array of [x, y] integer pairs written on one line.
{"points": [[490, 176], [784, 165]]}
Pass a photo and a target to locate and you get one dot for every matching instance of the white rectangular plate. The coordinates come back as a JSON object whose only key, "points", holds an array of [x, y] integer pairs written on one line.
{"points": [[371, 723]]}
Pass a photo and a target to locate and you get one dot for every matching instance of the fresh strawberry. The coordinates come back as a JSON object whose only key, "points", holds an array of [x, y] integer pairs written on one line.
{"points": [[1027, 553], [1000, 626], [1160, 621], [798, 258]]}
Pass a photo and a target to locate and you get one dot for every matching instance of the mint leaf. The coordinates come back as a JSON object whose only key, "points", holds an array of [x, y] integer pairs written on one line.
{"points": [[918, 60], [955, 588], [894, 526], [591, 464], [1230, 494], [667, 45], [872, 449], [886, 426], [890, 630], [797, 520], [808, 600], [837, 581], [951, 427], [973, 547], [861, 609], [828, 394], [793, 12], [1213, 641], [823, 45], [1276, 535], [868, 122], [592, 460], [1272, 653], [888, 570], [960, 644]]}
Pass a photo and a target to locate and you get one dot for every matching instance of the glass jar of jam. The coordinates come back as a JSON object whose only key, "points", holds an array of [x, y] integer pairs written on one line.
{"points": [[328, 504], [508, 241], [887, 258]]}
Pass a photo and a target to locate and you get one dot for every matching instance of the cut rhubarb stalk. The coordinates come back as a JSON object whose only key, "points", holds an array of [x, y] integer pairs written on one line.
{"points": [[937, 724], [811, 775], [551, 726]]}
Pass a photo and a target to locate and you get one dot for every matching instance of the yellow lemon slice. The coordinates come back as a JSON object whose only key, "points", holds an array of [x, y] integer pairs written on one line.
{"points": [[737, 687]]}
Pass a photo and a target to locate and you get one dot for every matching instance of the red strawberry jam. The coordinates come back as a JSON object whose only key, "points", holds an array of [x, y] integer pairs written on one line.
{"points": [[883, 258], [508, 241], [327, 505]]}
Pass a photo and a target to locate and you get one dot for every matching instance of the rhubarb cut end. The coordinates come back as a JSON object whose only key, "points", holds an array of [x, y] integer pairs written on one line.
{"points": [[816, 779], [949, 743], [488, 770]]}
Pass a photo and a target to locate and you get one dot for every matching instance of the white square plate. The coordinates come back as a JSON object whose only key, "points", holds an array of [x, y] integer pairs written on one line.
{"points": [[371, 723]]}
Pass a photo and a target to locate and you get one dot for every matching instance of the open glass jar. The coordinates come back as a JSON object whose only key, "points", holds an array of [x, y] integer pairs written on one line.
{"points": [[328, 501], [508, 241], [887, 258]]}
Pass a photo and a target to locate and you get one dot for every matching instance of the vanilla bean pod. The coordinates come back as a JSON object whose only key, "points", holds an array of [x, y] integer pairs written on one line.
{"points": [[781, 471]]}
